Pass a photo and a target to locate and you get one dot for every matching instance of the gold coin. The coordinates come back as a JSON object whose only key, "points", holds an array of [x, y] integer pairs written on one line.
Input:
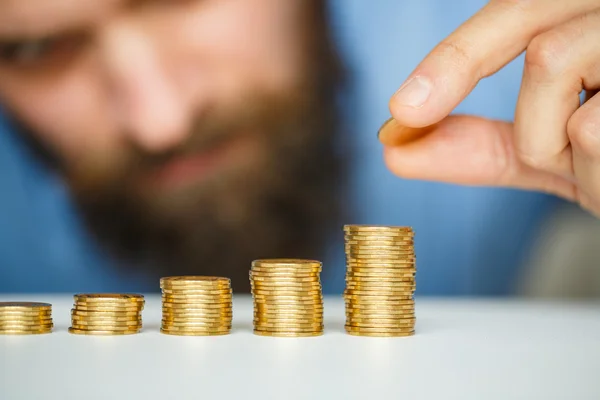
{"points": [[24, 306], [76, 331], [316, 284], [191, 307], [278, 315], [286, 330], [294, 287], [379, 330], [220, 327], [382, 265], [377, 228], [194, 305], [379, 246], [207, 321], [196, 300], [288, 270], [198, 292], [373, 297], [197, 304], [106, 323], [381, 272], [369, 279], [380, 283], [24, 332], [26, 322], [111, 313], [365, 235], [379, 309], [287, 292], [288, 334], [289, 327], [166, 331], [380, 242], [351, 233], [284, 277], [195, 280], [379, 237], [197, 324], [109, 303], [91, 310], [288, 310], [24, 317], [26, 327], [383, 290], [379, 258], [382, 308], [288, 322], [286, 262], [24, 313], [198, 311], [306, 308], [396, 253], [384, 319], [380, 334], [196, 328], [106, 307], [407, 291], [104, 297], [104, 319], [380, 326], [380, 315]]}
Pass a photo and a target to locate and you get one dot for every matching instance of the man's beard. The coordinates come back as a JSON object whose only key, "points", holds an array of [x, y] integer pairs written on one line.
{"points": [[285, 207]]}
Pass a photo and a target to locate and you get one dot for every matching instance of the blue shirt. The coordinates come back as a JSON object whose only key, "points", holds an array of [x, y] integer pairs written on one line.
{"points": [[469, 241]]}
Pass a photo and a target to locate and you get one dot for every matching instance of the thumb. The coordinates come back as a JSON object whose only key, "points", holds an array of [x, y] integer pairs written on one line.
{"points": [[465, 150]]}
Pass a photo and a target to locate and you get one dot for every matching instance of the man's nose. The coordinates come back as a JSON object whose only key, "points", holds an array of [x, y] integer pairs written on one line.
{"points": [[151, 108]]}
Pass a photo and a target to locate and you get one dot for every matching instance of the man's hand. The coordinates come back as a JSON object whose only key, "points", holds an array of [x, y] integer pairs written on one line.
{"points": [[554, 143]]}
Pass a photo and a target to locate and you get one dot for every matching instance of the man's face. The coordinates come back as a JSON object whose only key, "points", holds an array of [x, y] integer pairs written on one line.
{"points": [[162, 110]]}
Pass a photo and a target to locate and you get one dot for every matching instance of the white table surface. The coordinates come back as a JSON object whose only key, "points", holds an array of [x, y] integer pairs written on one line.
{"points": [[463, 349]]}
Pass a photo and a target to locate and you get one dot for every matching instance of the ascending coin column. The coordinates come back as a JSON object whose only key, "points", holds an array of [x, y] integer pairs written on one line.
{"points": [[196, 305], [288, 298], [25, 318], [107, 314], [380, 280]]}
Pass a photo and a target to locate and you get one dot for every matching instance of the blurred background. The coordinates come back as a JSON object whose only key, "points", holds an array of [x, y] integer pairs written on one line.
{"points": [[469, 241]]}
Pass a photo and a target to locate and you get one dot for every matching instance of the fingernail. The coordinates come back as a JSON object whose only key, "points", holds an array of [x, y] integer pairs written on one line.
{"points": [[414, 93], [383, 134]]}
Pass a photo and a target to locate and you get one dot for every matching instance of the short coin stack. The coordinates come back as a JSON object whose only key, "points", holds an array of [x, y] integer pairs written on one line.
{"points": [[196, 305], [25, 318], [107, 314], [380, 280], [288, 298]]}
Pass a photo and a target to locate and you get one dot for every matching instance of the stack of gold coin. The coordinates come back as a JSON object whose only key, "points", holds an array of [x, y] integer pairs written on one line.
{"points": [[107, 314], [288, 298], [380, 280], [196, 305], [25, 318]]}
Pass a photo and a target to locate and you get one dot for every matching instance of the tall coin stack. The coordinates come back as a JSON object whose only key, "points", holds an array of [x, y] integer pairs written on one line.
{"points": [[288, 298], [107, 314], [196, 305], [380, 280], [25, 318]]}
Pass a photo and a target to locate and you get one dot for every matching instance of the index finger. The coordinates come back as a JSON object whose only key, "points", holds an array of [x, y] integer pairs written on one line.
{"points": [[481, 46]]}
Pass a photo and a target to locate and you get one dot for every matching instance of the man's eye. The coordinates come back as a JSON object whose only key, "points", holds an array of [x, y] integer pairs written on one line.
{"points": [[29, 53]]}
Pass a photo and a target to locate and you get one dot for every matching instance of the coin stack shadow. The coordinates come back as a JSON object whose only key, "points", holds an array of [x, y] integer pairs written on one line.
{"points": [[25, 318], [107, 314], [380, 280], [196, 305], [288, 299]]}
